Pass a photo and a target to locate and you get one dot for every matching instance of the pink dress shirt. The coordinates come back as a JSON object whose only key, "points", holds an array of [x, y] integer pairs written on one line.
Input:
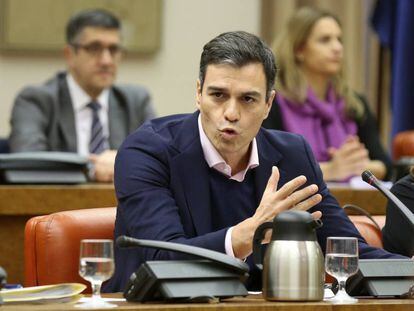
{"points": [[216, 161]]}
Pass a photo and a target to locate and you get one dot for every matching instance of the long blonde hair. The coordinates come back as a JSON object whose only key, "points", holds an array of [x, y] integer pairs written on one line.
{"points": [[291, 81]]}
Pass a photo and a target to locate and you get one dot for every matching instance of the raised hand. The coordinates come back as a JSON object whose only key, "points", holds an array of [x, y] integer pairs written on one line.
{"points": [[273, 202]]}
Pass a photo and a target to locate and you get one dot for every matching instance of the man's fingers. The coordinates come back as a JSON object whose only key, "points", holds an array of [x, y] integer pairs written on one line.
{"points": [[308, 203], [300, 195], [291, 186], [317, 215], [273, 180]]}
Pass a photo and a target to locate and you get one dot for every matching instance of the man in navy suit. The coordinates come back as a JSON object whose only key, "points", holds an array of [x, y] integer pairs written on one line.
{"points": [[209, 179]]}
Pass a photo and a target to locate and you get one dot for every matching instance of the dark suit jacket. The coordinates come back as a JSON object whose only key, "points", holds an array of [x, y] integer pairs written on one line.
{"points": [[43, 117], [162, 186], [398, 232]]}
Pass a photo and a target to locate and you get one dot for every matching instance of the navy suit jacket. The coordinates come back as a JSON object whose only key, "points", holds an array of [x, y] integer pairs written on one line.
{"points": [[162, 186]]}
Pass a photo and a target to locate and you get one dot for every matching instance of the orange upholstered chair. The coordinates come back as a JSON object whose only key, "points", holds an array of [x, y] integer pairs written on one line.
{"points": [[368, 230], [403, 145], [52, 243]]}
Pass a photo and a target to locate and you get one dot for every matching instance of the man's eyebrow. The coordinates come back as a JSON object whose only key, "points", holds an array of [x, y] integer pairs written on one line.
{"points": [[215, 89], [252, 93]]}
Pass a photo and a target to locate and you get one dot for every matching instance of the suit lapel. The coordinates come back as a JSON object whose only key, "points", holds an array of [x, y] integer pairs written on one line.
{"points": [[268, 157], [193, 174], [66, 115]]}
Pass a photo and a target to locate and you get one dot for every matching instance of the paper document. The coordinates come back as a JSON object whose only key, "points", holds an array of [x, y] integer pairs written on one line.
{"points": [[42, 293]]}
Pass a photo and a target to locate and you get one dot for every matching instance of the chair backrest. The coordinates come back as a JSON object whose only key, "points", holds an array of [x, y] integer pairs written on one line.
{"points": [[368, 230], [403, 145], [52, 243]]}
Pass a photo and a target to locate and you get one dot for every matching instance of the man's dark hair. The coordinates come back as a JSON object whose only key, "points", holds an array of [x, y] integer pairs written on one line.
{"points": [[90, 18], [239, 48]]}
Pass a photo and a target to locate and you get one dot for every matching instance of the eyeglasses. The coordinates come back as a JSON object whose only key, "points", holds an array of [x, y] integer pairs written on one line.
{"points": [[96, 49]]}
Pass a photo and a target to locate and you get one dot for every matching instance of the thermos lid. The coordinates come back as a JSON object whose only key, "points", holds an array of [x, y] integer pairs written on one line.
{"points": [[295, 226]]}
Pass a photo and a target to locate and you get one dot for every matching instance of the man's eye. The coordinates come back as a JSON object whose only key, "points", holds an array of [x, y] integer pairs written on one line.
{"points": [[94, 48], [249, 99], [218, 95]]}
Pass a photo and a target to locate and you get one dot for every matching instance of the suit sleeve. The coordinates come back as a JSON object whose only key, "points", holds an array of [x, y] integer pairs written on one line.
{"points": [[335, 221], [147, 207], [29, 122], [147, 108]]}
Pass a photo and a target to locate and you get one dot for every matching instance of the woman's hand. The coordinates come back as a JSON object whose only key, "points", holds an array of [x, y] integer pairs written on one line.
{"points": [[348, 160]]}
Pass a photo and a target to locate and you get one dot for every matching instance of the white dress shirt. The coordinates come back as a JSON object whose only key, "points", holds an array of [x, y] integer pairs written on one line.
{"points": [[83, 114]]}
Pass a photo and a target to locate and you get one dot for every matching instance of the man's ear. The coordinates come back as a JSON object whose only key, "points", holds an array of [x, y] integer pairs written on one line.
{"points": [[269, 103], [198, 94], [68, 54]]}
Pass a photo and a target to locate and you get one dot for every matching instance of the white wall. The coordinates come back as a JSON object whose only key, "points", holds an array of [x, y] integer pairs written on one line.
{"points": [[170, 74]]}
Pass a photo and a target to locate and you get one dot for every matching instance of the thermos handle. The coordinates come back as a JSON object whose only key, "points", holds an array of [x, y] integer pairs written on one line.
{"points": [[317, 223], [257, 242]]}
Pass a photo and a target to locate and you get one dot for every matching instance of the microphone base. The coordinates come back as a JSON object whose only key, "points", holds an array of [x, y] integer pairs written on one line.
{"points": [[186, 280]]}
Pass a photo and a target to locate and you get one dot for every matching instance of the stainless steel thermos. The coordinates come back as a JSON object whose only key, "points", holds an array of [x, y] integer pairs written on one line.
{"points": [[293, 267]]}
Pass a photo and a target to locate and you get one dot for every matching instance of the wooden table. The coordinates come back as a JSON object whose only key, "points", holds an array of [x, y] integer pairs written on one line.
{"points": [[40, 200], [371, 200], [239, 304], [19, 203]]}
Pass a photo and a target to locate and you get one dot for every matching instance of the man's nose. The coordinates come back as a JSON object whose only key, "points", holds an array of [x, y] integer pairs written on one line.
{"points": [[106, 57], [232, 111]]}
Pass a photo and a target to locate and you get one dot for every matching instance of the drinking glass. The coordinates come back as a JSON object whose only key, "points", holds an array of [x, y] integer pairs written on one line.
{"points": [[341, 261], [96, 265]]}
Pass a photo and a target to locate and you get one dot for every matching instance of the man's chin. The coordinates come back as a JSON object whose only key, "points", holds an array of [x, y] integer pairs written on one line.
{"points": [[103, 84]]}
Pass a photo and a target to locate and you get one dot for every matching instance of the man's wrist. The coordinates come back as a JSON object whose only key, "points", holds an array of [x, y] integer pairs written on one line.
{"points": [[91, 171], [242, 238]]}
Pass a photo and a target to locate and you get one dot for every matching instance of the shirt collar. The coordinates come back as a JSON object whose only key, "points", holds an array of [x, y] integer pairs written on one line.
{"points": [[80, 98], [216, 161]]}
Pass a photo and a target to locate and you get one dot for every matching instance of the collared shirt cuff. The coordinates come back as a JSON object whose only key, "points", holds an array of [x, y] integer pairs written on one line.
{"points": [[228, 246]]}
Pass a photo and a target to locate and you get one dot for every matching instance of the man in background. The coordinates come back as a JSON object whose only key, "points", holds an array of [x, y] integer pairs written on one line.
{"points": [[81, 110]]}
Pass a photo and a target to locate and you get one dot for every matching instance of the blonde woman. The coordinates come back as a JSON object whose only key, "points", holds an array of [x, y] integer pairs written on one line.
{"points": [[314, 100]]}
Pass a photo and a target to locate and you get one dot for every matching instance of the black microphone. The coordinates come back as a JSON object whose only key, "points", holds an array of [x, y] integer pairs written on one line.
{"points": [[230, 262], [369, 178]]}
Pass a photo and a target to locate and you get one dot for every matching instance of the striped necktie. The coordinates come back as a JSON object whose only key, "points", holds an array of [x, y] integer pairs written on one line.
{"points": [[97, 141]]}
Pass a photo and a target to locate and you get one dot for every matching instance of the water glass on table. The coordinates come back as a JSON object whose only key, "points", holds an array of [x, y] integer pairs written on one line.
{"points": [[341, 261], [96, 265]]}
